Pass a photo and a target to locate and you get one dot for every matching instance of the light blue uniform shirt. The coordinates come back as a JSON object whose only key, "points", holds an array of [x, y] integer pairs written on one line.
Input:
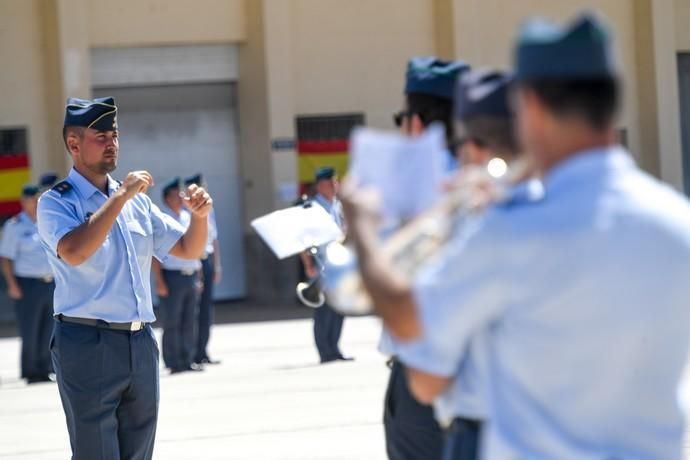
{"points": [[583, 299], [334, 208], [212, 233], [175, 263], [22, 245], [113, 284], [466, 395]]}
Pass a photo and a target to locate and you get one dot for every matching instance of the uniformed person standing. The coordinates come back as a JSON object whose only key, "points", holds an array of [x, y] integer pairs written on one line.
{"points": [[211, 273], [100, 236], [177, 286], [485, 138], [30, 284], [328, 324], [581, 294]]}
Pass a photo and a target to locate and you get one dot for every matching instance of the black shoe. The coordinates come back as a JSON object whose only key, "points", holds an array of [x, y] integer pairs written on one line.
{"points": [[328, 359], [207, 360], [345, 358], [40, 379], [194, 367]]}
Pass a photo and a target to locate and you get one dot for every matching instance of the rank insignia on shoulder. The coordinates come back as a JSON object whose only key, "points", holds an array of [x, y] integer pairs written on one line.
{"points": [[62, 187]]}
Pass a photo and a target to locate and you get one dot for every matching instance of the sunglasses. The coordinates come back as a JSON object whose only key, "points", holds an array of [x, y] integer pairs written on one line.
{"points": [[399, 117]]}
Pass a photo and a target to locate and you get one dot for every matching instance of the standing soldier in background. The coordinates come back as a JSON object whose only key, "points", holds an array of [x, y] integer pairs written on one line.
{"points": [[100, 236], [412, 432], [587, 282], [30, 284], [177, 286], [328, 324], [211, 273]]}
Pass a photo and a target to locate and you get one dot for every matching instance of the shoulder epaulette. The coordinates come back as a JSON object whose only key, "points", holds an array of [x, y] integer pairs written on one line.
{"points": [[62, 187]]}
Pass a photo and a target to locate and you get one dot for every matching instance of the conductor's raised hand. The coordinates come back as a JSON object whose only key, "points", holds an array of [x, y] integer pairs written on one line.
{"points": [[136, 182], [198, 201]]}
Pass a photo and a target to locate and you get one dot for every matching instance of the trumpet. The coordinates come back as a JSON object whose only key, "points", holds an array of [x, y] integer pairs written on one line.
{"points": [[310, 293], [414, 244]]}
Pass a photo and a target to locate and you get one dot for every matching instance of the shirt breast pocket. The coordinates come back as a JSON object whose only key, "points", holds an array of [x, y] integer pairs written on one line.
{"points": [[142, 237]]}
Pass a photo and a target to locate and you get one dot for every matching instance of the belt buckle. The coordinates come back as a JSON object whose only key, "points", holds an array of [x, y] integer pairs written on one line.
{"points": [[135, 326], [47, 279]]}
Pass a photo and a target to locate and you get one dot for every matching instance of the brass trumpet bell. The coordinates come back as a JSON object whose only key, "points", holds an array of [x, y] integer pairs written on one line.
{"points": [[310, 293]]}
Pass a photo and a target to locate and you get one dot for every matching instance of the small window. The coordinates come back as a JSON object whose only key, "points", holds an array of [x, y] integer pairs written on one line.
{"points": [[13, 141]]}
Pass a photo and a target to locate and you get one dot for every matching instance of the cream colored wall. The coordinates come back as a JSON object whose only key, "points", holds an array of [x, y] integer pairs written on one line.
{"points": [[485, 31], [682, 23], [21, 79], [255, 164], [351, 55], [165, 22]]}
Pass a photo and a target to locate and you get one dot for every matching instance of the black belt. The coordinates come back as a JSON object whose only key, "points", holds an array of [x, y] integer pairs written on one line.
{"points": [[185, 272], [463, 425], [132, 327]]}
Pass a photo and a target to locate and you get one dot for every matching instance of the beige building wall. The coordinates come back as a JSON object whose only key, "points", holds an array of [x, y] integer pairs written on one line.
{"points": [[485, 31], [682, 24], [165, 22], [22, 82], [351, 56]]}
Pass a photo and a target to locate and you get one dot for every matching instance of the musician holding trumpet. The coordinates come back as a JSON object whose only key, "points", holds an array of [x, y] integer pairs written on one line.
{"points": [[411, 430], [328, 323], [570, 304], [100, 236]]}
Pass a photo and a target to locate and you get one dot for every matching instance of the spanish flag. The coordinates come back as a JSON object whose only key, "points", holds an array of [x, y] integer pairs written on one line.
{"points": [[14, 173], [312, 155]]}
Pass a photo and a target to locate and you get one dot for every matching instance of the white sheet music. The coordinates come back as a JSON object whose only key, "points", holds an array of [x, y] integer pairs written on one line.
{"points": [[290, 231], [406, 171]]}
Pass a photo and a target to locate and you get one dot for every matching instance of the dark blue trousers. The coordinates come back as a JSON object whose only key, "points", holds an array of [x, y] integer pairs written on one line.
{"points": [[35, 321], [412, 432], [462, 440], [205, 309], [179, 319], [108, 382], [328, 325]]}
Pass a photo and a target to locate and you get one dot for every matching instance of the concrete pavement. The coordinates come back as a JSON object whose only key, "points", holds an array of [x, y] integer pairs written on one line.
{"points": [[268, 399]]}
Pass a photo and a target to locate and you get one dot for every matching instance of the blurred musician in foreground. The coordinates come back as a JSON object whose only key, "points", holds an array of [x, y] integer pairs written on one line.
{"points": [[579, 295], [411, 431], [485, 136]]}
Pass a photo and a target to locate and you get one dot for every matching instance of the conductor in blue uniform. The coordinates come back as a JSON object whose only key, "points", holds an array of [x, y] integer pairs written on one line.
{"points": [[100, 236], [30, 284]]}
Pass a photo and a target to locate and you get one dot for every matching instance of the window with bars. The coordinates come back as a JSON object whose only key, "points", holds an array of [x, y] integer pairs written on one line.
{"points": [[13, 141], [327, 127]]}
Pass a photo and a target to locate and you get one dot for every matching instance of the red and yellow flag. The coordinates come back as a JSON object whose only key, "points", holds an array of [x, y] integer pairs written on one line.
{"points": [[312, 155], [14, 173]]}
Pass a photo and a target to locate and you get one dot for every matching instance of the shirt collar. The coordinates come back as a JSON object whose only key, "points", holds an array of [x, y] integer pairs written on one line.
{"points": [[322, 199], [85, 188], [587, 165], [24, 217]]}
